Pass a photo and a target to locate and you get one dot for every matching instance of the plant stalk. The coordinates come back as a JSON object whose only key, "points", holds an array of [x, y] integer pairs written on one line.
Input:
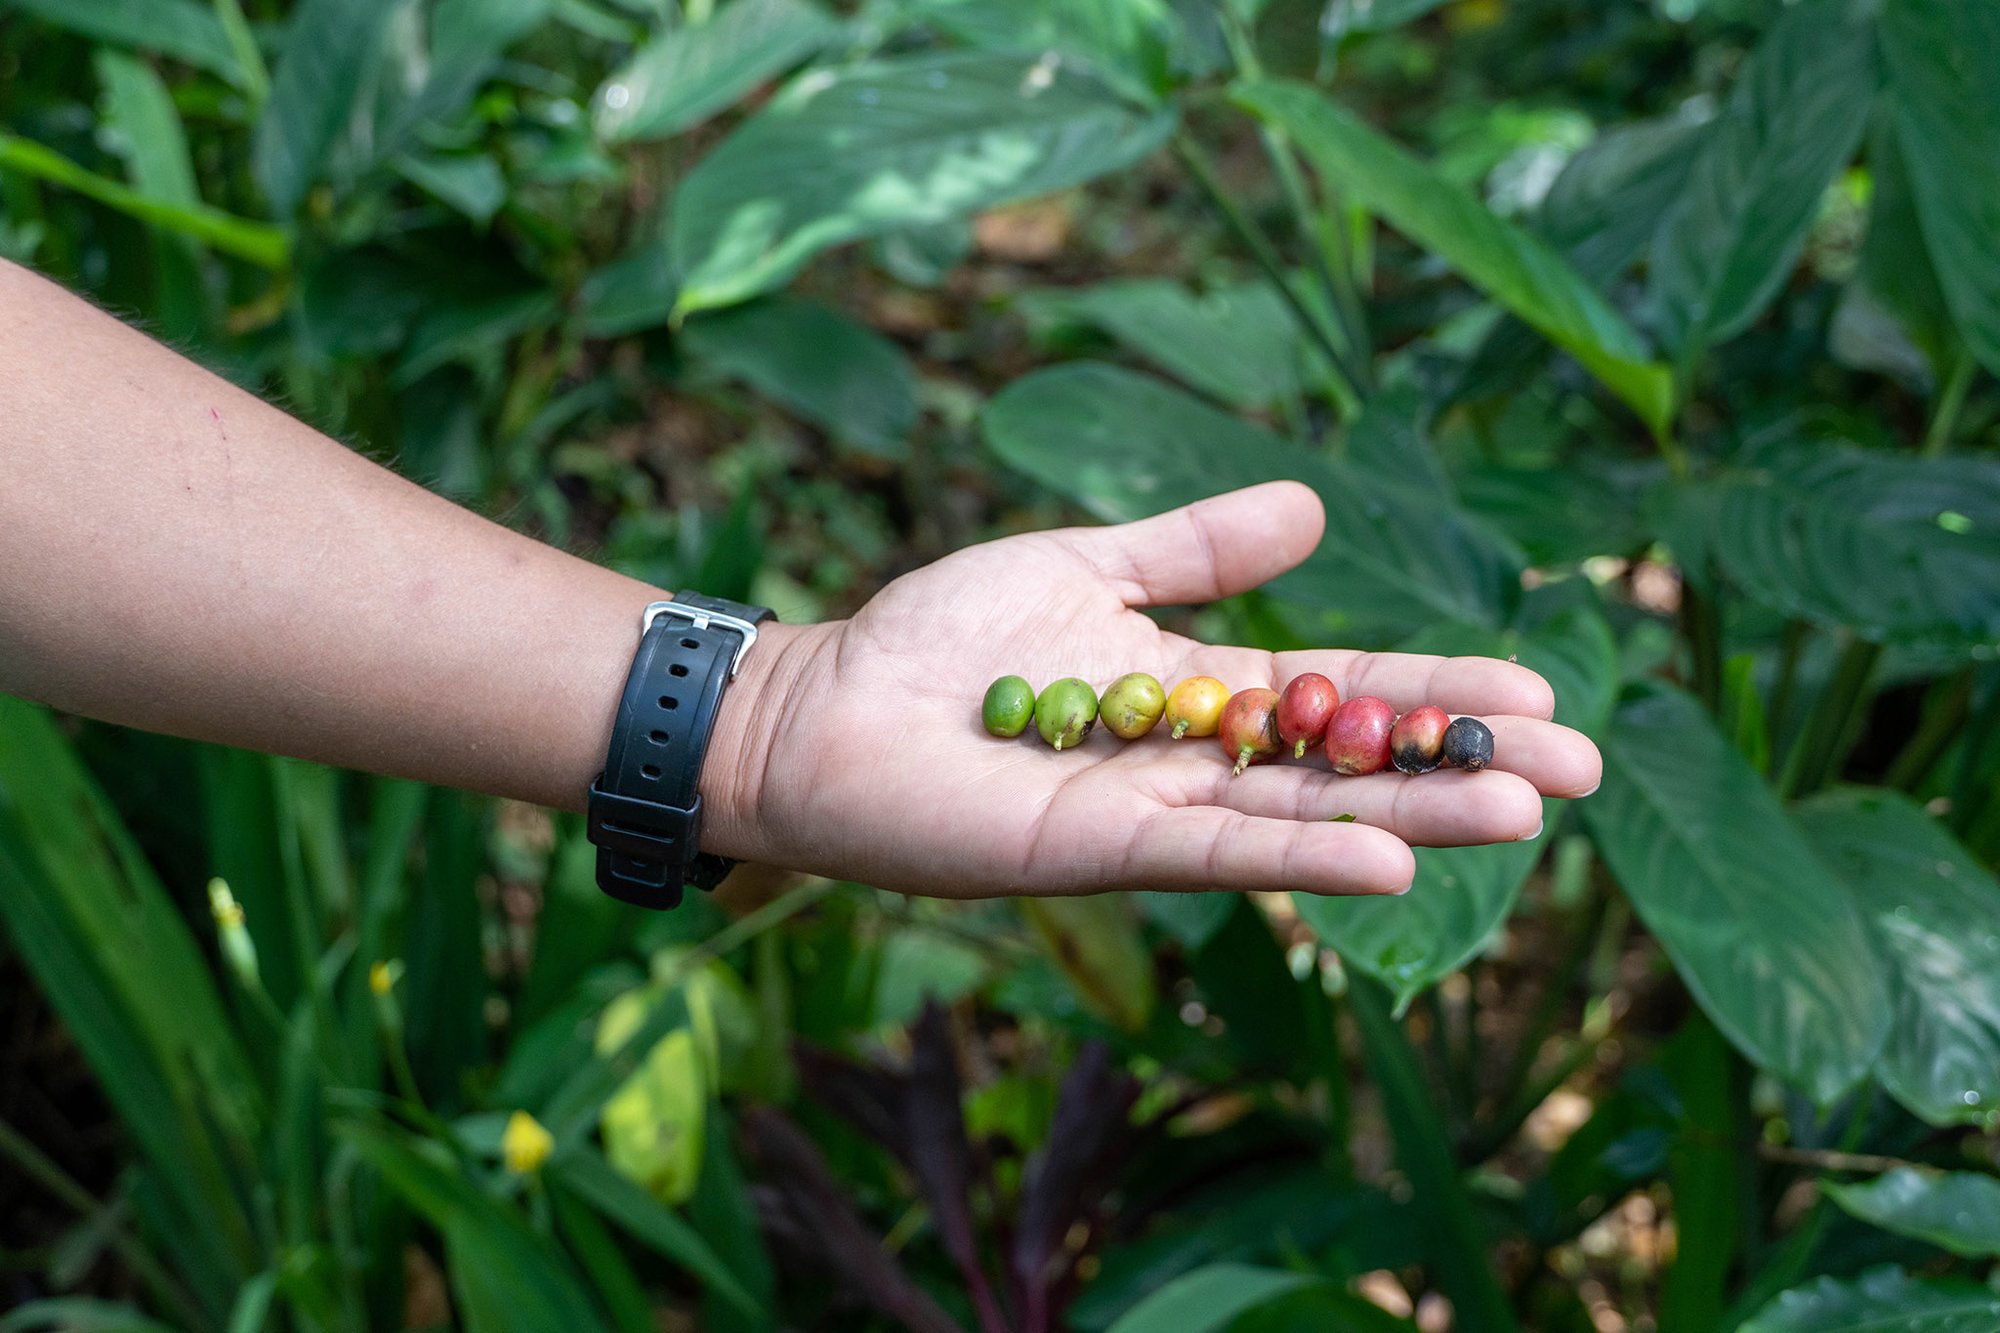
{"points": [[1815, 756], [1266, 256], [1950, 405]]}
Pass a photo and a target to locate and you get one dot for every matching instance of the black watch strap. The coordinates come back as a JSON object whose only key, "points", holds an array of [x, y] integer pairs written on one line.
{"points": [[645, 808]]}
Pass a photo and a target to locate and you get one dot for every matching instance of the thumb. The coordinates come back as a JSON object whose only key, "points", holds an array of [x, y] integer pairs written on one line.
{"points": [[1217, 547]]}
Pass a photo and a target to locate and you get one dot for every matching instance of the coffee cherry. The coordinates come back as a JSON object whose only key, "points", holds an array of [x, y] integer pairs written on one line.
{"points": [[1468, 744], [1304, 710], [1416, 743], [1249, 728], [1132, 706], [1065, 712], [1357, 738], [1195, 706], [1009, 706]]}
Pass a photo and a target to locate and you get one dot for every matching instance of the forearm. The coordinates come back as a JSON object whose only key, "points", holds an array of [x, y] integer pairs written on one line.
{"points": [[179, 556]]}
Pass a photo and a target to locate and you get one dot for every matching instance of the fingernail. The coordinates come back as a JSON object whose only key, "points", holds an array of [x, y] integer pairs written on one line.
{"points": [[1530, 837], [1592, 792]]}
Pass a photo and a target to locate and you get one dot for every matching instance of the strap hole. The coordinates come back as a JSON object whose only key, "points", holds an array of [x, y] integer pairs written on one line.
{"points": [[658, 738], [652, 772], [677, 669], [668, 702], [690, 643]]}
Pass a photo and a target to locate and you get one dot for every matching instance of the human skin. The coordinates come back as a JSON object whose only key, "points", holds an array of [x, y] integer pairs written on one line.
{"points": [[179, 556]]}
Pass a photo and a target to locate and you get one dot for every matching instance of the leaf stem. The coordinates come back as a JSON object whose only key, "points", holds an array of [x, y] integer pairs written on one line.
{"points": [[1950, 404], [1266, 256], [1942, 723], [1815, 756]]}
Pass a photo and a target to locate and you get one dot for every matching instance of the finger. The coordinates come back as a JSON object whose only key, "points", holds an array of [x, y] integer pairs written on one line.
{"points": [[1213, 548], [1442, 809], [1557, 760], [1482, 686], [1204, 847]]}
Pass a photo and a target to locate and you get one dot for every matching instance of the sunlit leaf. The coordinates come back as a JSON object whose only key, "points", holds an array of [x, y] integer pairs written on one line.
{"points": [[686, 74], [1512, 266], [842, 155], [330, 46], [1209, 1298]]}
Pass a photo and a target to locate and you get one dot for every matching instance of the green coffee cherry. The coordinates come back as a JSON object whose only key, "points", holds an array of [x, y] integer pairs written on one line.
{"points": [[1065, 713], [1009, 706], [1132, 706]]}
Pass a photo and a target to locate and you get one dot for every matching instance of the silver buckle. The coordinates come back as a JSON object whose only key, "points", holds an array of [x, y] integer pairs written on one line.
{"points": [[702, 619]]}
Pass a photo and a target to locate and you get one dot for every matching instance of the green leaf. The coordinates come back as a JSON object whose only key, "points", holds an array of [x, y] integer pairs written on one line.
{"points": [[817, 362], [105, 944], [504, 1275], [1128, 42], [1890, 546], [1793, 120], [1238, 344], [1895, 267], [145, 129], [1344, 16], [1209, 1297], [649, 1222], [329, 57], [1944, 64], [1771, 944], [1956, 1210], [472, 183], [684, 75], [1191, 918], [1507, 263], [1935, 913], [79, 1314], [842, 155], [1126, 446], [1876, 1302], [1463, 894], [258, 242], [184, 29]]}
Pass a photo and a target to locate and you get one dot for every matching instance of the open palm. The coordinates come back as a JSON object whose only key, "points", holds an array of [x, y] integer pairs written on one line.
{"points": [[872, 763]]}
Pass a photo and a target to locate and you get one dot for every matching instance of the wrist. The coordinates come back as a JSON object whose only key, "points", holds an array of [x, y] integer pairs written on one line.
{"points": [[758, 707]]}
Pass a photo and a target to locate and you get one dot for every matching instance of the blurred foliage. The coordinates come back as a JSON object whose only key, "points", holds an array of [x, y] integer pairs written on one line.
{"points": [[1649, 343]]}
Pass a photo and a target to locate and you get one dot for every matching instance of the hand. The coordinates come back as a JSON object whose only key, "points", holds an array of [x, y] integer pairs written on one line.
{"points": [[864, 758]]}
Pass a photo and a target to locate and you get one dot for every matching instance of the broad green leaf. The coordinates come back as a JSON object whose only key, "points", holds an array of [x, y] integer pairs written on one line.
{"points": [[1944, 64], [684, 75], [184, 29], [1126, 446], [1128, 42], [1319, 1307], [1886, 1299], [1895, 267], [1511, 266], [1891, 546], [467, 40], [1935, 914], [106, 945], [470, 183], [1209, 1298], [258, 242], [817, 362], [842, 155], [504, 1276], [1769, 941], [329, 55], [1191, 918], [1601, 214], [1792, 122], [1238, 344], [918, 965], [1956, 1210], [1463, 894]]}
